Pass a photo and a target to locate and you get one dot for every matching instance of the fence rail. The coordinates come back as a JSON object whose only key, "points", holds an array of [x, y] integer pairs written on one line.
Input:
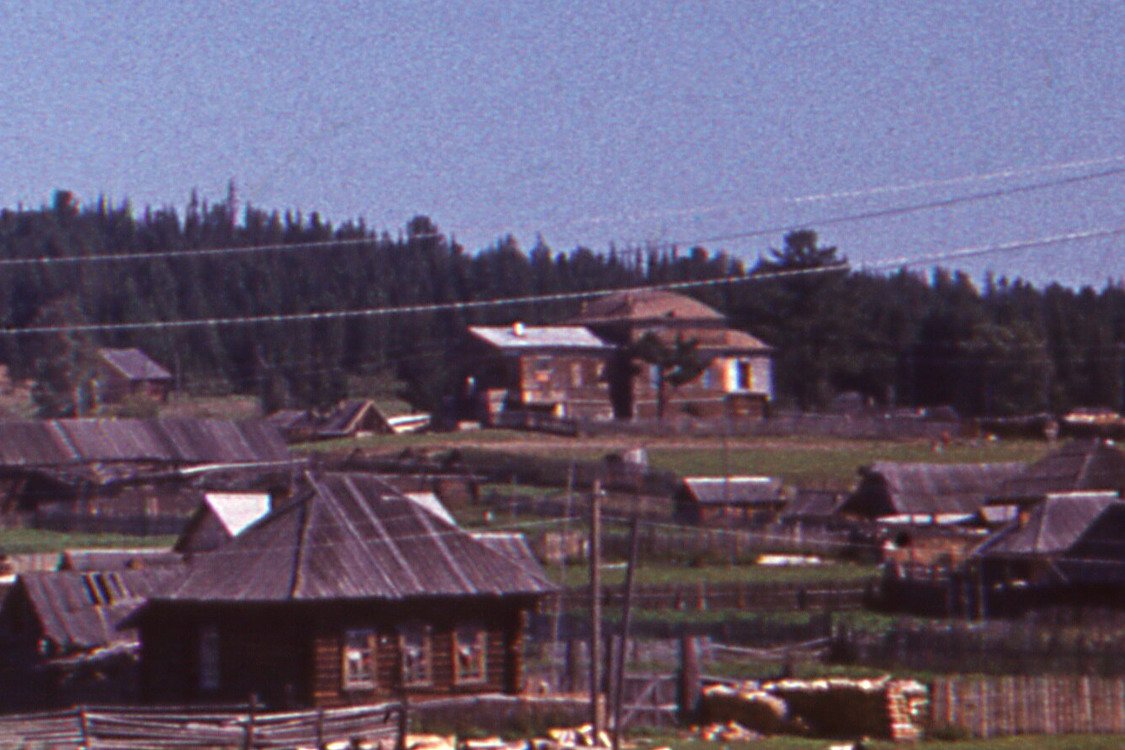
{"points": [[160, 729]]}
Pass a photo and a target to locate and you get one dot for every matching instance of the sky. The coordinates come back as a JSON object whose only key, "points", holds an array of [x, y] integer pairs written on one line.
{"points": [[631, 122]]}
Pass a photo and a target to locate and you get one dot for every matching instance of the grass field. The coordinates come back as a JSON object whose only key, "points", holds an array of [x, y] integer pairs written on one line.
{"points": [[21, 541], [579, 575], [826, 462]]}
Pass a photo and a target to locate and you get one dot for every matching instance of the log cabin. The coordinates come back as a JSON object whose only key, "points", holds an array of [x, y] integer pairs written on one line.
{"points": [[351, 594]]}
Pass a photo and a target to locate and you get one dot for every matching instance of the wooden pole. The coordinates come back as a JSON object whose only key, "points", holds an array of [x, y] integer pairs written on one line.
{"points": [[623, 647], [595, 608], [249, 742]]}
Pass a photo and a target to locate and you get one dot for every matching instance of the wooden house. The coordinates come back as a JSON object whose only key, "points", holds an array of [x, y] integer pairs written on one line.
{"points": [[737, 380], [922, 493], [122, 373], [1068, 547], [351, 594], [59, 470], [59, 637], [557, 371], [1077, 466], [723, 501]]}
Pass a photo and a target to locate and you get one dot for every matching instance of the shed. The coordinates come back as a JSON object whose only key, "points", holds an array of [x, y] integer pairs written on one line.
{"points": [[130, 372], [1076, 466], [925, 492], [348, 595], [724, 500]]}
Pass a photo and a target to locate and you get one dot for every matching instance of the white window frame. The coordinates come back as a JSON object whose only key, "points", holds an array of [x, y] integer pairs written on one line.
{"points": [[470, 654], [359, 660]]}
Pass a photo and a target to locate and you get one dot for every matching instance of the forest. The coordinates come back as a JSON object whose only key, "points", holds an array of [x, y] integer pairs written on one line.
{"points": [[906, 339]]}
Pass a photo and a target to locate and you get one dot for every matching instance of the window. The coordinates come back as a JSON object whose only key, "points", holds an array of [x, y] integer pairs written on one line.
{"points": [[654, 377], [743, 377], [708, 378], [416, 666], [470, 654], [209, 658], [576, 379], [359, 660]]}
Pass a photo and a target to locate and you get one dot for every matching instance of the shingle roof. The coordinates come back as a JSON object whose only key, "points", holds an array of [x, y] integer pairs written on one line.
{"points": [[182, 441], [1053, 526], [520, 337], [734, 490], [811, 503], [134, 364], [117, 559], [1077, 465], [644, 305], [353, 537], [81, 610], [932, 489]]}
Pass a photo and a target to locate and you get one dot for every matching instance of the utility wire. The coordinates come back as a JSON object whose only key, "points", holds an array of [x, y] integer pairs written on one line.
{"points": [[356, 242], [436, 307]]}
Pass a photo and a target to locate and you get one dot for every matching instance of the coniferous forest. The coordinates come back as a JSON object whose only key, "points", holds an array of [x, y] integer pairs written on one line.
{"points": [[1000, 347]]}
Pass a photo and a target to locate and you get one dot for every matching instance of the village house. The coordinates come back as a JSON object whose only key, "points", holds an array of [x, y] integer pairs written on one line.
{"points": [[920, 493], [1066, 548], [737, 379], [60, 642], [69, 471], [556, 371], [121, 373], [729, 501], [351, 594]]}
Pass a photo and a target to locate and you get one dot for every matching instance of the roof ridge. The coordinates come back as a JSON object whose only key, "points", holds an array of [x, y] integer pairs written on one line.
{"points": [[424, 517], [387, 539], [302, 543]]}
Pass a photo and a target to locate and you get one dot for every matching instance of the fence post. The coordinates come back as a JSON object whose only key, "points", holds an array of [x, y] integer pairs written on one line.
{"points": [[689, 688], [249, 739], [320, 728], [84, 727]]}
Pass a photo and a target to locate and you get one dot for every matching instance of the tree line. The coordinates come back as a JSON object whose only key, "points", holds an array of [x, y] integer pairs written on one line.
{"points": [[1001, 347]]}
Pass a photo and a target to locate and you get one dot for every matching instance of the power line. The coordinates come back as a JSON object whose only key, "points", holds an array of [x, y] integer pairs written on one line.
{"points": [[437, 307], [901, 210], [341, 243]]}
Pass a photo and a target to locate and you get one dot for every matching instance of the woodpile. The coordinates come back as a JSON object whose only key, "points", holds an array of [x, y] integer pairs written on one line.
{"points": [[834, 707]]}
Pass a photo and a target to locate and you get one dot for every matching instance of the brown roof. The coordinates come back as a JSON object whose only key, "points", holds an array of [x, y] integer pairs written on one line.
{"points": [[1078, 465], [645, 306], [714, 340], [134, 364], [77, 611], [1053, 526], [353, 537], [181, 441]]}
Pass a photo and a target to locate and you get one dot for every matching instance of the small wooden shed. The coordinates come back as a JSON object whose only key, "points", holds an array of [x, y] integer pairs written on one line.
{"points": [[351, 594], [130, 372]]}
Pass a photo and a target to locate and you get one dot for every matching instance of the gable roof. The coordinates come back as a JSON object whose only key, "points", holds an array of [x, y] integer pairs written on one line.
{"points": [[1053, 526], [921, 489], [183, 441], [745, 490], [117, 559], [1078, 465], [133, 364], [518, 337], [81, 610], [812, 503], [353, 537], [645, 306]]}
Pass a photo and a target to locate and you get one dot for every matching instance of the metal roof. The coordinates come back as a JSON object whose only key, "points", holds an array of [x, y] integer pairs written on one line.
{"points": [[134, 364], [353, 537], [712, 340], [1077, 465], [519, 337], [181, 441], [237, 510]]}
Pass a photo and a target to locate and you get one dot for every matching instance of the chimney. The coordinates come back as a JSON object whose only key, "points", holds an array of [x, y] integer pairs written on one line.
{"points": [[517, 329]]}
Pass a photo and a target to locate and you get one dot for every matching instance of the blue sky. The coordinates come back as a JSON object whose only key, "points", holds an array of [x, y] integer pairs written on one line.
{"points": [[628, 122]]}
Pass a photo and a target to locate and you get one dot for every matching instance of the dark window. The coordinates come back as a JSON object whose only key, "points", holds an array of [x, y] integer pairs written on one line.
{"points": [[209, 675]]}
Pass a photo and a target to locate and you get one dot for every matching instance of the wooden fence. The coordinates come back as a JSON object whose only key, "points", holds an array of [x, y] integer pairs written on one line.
{"points": [[160, 728], [995, 706]]}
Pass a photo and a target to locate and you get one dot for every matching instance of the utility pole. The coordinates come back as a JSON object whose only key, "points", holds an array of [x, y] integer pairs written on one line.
{"points": [[623, 644], [596, 609]]}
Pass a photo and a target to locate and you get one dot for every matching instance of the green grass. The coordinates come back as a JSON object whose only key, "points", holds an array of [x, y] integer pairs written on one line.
{"points": [[22, 541], [579, 575], [829, 462]]}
